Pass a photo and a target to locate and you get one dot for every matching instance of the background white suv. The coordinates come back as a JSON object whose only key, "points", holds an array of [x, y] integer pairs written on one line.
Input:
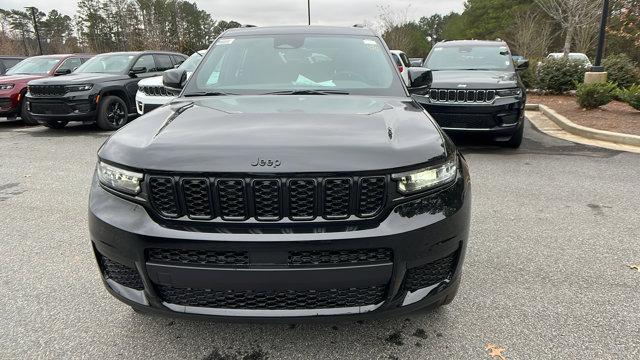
{"points": [[403, 63], [152, 94]]}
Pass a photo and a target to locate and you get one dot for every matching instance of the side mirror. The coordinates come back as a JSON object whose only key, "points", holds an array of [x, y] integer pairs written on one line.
{"points": [[522, 64], [420, 80], [62, 72], [137, 70], [174, 79]]}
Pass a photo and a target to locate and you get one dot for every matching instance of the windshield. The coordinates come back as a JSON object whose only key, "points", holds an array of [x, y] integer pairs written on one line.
{"points": [[469, 57], [34, 66], [113, 64], [191, 63], [288, 63]]}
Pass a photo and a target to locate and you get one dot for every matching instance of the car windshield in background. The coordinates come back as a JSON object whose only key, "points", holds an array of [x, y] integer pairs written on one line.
{"points": [[282, 64], [34, 66], [113, 64], [191, 63], [467, 57]]}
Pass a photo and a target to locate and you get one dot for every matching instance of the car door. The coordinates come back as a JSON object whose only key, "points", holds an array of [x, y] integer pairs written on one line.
{"points": [[67, 66], [147, 62]]}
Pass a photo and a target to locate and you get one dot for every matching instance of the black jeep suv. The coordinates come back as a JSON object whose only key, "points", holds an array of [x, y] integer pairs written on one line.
{"points": [[476, 89], [294, 177], [101, 90]]}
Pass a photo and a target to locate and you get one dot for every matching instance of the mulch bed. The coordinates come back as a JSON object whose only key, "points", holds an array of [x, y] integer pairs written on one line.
{"points": [[615, 116]]}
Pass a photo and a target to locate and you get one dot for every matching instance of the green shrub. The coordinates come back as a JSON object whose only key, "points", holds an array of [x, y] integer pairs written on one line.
{"points": [[591, 96], [621, 70], [528, 76], [631, 96], [559, 75]]}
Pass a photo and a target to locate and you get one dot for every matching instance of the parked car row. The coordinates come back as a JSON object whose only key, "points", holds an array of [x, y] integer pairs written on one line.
{"points": [[95, 89]]}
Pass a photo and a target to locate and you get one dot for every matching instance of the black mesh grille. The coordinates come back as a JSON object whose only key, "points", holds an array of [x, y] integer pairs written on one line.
{"points": [[372, 193], [54, 108], [47, 90], [123, 275], [273, 299], [196, 198], [163, 195], [232, 199], [429, 274], [442, 95], [205, 257], [302, 199], [337, 198], [330, 257], [266, 197]]}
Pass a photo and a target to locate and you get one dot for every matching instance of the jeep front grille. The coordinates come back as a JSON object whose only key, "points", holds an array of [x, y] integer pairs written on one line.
{"points": [[462, 96], [267, 199], [157, 90], [47, 90]]}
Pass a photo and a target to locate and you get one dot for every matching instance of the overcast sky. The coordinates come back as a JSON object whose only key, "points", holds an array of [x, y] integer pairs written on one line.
{"points": [[282, 12]]}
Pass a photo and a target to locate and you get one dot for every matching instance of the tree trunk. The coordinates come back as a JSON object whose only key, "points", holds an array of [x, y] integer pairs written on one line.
{"points": [[567, 40]]}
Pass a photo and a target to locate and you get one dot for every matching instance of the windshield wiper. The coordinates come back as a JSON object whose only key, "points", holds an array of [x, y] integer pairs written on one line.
{"points": [[208, 93], [307, 92]]}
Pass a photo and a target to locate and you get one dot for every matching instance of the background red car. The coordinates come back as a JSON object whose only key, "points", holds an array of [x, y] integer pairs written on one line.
{"points": [[13, 85]]}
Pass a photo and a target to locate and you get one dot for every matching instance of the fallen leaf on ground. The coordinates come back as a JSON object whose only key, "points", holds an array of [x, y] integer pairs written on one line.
{"points": [[495, 351], [634, 267]]}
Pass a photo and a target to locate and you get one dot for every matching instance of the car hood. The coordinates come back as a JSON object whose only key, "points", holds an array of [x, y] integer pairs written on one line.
{"points": [[80, 78], [152, 81], [473, 79], [20, 78], [321, 133], [155, 81]]}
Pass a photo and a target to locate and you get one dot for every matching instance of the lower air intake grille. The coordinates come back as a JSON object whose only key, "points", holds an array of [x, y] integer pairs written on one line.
{"points": [[430, 274], [204, 257], [330, 257], [123, 275], [273, 299]]}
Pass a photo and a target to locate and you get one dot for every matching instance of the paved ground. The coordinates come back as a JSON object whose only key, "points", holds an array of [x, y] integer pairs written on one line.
{"points": [[555, 225]]}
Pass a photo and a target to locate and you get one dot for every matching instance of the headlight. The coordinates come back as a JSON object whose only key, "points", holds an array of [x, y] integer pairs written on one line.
{"points": [[82, 87], [414, 181], [509, 92], [6, 86], [119, 179]]}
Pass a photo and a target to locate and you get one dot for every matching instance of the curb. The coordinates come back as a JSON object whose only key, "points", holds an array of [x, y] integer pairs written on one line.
{"points": [[587, 132]]}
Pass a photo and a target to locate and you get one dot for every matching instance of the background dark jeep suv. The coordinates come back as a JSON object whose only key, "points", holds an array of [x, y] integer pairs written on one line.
{"points": [[294, 177], [101, 90], [476, 90]]}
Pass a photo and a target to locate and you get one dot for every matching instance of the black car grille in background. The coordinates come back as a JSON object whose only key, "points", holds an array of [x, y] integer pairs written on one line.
{"points": [[5, 103], [334, 257], [267, 199], [430, 274], [158, 90], [47, 90], [53, 108], [203, 257], [273, 299], [123, 275], [477, 96]]}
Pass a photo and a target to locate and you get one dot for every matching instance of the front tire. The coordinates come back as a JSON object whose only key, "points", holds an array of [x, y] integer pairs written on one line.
{"points": [[56, 124], [112, 113], [24, 114]]}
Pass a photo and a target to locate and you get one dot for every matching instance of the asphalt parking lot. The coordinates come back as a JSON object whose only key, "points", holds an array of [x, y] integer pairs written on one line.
{"points": [[555, 227]]}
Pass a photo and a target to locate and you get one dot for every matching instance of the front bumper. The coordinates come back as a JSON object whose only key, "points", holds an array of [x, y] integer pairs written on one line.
{"points": [[425, 239], [70, 107], [501, 118], [146, 103], [9, 105]]}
